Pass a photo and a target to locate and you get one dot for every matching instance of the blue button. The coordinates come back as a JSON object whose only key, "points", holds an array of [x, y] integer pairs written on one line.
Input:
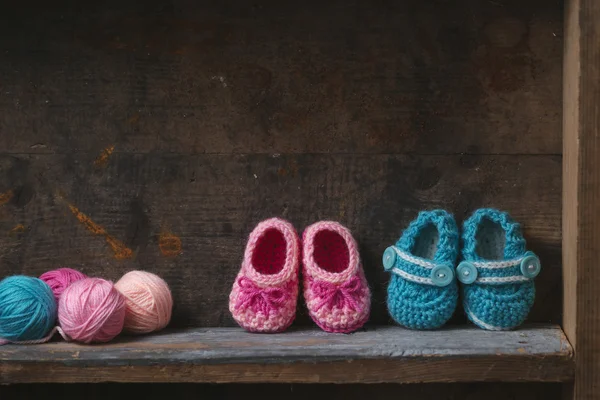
{"points": [[442, 275], [389, 258], [466, 272], [530, 266]]}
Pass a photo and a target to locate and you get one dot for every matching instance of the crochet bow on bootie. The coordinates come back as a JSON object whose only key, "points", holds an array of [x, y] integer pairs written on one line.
{"points": [[335, 288], [266, 300], [265, 293], [343, 295]]}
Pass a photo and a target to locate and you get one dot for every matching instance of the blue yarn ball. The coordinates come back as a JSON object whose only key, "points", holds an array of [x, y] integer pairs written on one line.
{"points": [[27, 308]]}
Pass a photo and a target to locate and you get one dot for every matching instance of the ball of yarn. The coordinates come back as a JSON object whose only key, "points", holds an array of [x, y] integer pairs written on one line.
{"points": [[27, 308], [148, 301], [60, 279], [91, 310]]}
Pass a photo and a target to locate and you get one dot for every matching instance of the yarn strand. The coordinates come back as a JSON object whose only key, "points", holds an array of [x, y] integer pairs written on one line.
{"points": [[38, 341]]}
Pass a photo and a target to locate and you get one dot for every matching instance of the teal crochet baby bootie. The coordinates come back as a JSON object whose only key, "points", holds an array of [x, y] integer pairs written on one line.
{"points": [[422, 293], [497, 272]]}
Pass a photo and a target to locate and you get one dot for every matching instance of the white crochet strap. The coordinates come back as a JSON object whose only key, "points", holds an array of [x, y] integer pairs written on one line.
{"points": [[497, 264], [415, 260], [484, 325], [428, 265], [502, 279], [497, 280], [411, 277]]}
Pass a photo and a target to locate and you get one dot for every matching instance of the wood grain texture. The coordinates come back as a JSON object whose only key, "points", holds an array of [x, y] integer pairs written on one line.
{"points": [[124, 95], [582, 192], [379, 354], [282, 77], [271, 391], [187, 217], [571, 181]]}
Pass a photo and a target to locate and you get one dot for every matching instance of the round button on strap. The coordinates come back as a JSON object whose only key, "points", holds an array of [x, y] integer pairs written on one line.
{"points": [[530, 266], [442, 275], [389, 258], [466, 272]]}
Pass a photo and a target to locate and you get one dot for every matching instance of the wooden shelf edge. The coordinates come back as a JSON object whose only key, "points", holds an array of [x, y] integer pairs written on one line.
{"points": [[535, 353]]}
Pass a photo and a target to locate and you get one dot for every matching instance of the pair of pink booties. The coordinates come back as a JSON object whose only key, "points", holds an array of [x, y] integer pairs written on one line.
{"points": [[265, 292]]}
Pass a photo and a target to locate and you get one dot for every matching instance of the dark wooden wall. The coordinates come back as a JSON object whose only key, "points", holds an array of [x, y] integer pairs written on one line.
{"points": [[155, 134]]}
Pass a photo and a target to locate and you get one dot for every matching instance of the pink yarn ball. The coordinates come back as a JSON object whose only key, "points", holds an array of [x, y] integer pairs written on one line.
{"points": [[148, 301], [91, 310], [60, 279]]}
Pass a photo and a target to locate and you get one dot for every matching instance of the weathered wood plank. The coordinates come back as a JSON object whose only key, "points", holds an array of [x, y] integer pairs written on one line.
{"points": [[581, 192], [379, 354], [271, 391], [282, 77], [187, 217], [236, 346]]}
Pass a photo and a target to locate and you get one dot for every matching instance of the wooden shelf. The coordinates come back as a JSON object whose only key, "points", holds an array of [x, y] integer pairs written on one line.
{"points": [[377, 354]]}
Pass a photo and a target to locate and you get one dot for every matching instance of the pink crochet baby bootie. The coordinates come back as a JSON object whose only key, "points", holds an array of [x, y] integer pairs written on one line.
{"points": [[335, 288], [264, 295]]}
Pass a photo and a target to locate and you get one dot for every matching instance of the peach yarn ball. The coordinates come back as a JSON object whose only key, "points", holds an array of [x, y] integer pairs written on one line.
{"points": [[148, 301], [91, 310]]}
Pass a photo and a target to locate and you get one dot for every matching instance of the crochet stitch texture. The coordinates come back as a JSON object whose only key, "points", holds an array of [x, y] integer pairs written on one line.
{"points": [[501, 297], [335, 288], [414, 301], [265, 292]]}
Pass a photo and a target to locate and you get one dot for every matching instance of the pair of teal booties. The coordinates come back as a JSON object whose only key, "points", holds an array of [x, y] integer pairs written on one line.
{"points": [[496, 272]]}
